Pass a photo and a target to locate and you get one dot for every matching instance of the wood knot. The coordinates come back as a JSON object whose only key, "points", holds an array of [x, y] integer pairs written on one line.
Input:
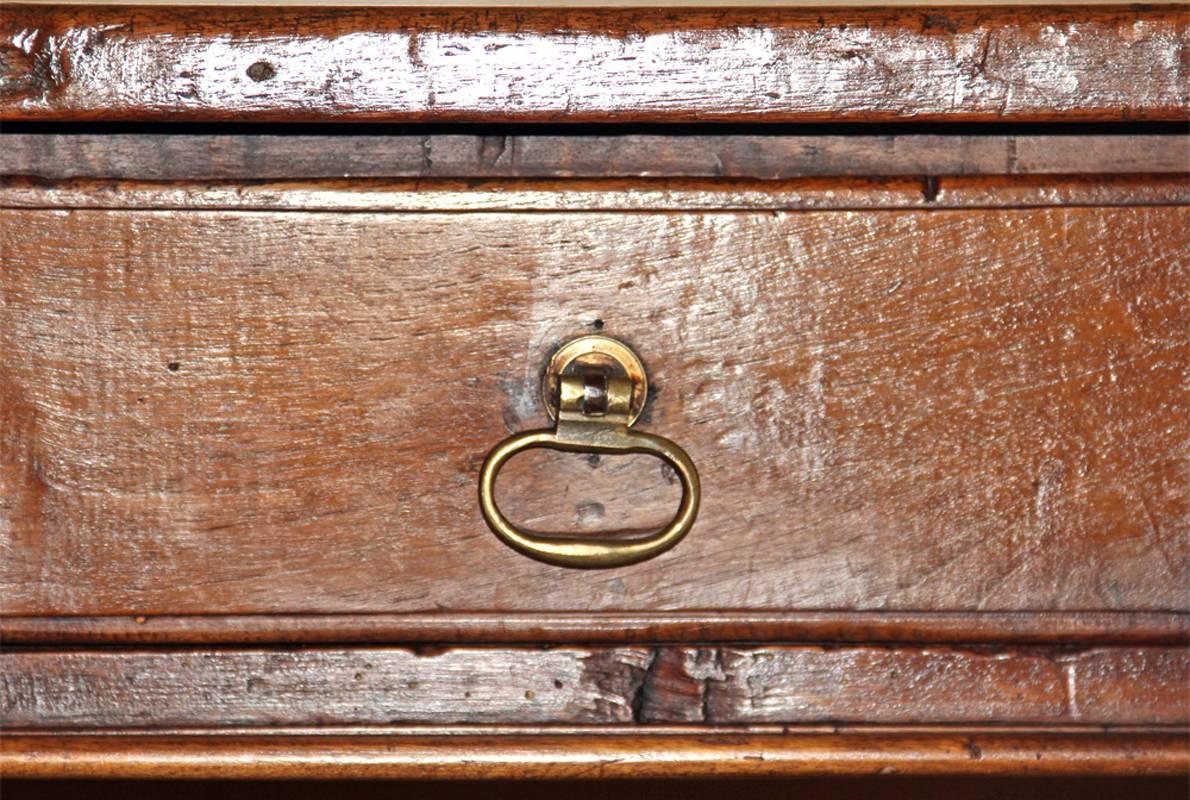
{"points": [[262, 71]]}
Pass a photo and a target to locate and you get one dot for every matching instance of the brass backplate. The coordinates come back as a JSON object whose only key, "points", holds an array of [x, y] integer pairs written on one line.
{"points": [[612, 356]]}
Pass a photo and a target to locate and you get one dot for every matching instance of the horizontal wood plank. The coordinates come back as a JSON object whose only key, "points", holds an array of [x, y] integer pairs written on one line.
{"points": [[48, 689], [942, 410], [702, 754], [519, 65], [278, 155], [605, 194]]}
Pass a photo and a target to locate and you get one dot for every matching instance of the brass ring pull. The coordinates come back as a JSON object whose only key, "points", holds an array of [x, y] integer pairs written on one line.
{"points": [[598, 399]]}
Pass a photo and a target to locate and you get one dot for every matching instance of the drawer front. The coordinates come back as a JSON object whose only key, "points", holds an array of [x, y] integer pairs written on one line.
{"points": [[255, 412]]}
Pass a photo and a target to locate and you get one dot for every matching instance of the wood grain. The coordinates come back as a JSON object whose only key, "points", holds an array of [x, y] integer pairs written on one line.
{"points": [[275, 687], [605, 194], [511, 195], [696, 755], [46, 689], [518, 65], [879, 685], [284, 155], [1083, 190], [941, 411]]}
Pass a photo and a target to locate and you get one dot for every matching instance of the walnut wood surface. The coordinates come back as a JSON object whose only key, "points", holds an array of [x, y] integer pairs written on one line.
{"points": [[281, 155], [927, 407], [617, 686], [309, 64], [238, 412], [696, 755]]}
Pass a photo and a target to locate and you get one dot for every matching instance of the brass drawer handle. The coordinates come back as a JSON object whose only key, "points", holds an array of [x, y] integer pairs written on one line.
{"points": [[595, 388]]}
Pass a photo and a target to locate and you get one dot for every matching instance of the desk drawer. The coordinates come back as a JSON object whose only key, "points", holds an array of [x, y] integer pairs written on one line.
{"points": [[255, 412]]}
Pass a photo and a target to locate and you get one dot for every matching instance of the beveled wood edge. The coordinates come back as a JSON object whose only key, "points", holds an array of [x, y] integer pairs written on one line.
{"points": [[709, 753], [611, 194], [910, 627], [152, 63]]}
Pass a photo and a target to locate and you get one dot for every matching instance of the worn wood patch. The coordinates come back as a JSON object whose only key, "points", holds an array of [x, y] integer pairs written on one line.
{"points": [[226, 688], [865, 684], [214, 412], [309, 64], [720, 686]]}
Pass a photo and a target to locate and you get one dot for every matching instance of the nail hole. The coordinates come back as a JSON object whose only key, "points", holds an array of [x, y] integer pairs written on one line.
{"points": [[173, 366], [261, 71], [597, 324], [589, 514]]}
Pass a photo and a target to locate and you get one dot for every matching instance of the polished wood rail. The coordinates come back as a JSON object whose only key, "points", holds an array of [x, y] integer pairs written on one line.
{"points": [[541, 754]]}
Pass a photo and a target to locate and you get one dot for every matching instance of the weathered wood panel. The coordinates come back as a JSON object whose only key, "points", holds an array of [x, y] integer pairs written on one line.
{"points": [[940, 685], [973, 410], [284, 155], [720, 686], [264, 688], [995, 63]]}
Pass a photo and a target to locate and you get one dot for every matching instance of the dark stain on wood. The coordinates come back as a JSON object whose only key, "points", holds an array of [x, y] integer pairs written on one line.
{"points": [[190, 156]]}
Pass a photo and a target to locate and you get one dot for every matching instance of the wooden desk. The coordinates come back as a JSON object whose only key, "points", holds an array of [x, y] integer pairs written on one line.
{"points": [[909, 285]]}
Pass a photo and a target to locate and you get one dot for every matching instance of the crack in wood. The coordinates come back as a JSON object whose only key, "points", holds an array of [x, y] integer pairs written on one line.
{"points": [[644, 689]]}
